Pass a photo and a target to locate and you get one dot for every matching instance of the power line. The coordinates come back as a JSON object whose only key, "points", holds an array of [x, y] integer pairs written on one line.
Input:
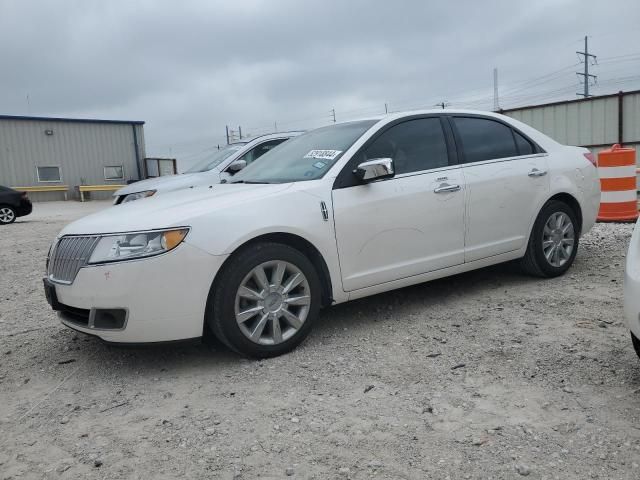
{"points": [[517, 92]]}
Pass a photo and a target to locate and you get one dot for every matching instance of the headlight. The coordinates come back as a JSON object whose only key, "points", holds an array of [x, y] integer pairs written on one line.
{"points": [[138, 195], [127, 246]]}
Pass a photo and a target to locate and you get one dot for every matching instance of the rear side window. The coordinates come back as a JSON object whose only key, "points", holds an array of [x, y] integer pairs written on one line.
{"points": [[414, 146], [484, 139], [524, 145]]}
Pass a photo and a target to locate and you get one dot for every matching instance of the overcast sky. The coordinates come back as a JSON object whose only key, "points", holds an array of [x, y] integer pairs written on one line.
{"points": [[188, 68]]}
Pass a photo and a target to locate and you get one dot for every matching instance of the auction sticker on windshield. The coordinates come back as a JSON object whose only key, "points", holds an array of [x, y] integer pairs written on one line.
{"points": [[323, 154]]}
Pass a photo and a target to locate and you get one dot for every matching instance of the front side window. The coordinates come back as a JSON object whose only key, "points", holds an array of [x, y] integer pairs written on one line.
{"points": [[484, 139], [306, 157], [49, 174], [114, 172], [414, 146], [256, 152]]}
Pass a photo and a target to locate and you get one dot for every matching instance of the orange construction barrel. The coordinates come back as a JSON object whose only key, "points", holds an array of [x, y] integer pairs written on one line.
{"points": [[617, 171]]}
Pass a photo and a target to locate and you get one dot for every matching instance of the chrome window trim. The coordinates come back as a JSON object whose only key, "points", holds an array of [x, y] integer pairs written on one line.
{"points": [[504, 159]]}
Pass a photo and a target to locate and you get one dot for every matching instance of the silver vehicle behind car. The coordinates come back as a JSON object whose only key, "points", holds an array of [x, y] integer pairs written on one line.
{"points": [[214, 168]]}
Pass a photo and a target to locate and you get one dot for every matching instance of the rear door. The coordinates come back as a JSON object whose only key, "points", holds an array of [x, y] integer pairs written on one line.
{"points": [[506, 177], [405, 225]]}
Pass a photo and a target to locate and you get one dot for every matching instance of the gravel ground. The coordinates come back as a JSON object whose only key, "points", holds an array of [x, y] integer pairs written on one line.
{"points": [[490, 374]]}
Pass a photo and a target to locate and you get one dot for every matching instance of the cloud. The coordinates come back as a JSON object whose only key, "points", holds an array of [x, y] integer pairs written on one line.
{"points": [[189, 68]]}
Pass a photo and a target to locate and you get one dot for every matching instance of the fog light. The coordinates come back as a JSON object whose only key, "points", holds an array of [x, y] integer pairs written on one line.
{"points": [[109, 318]]}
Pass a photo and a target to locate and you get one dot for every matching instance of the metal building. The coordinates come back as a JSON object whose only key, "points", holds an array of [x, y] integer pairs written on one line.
{"points": [[44, 151], [594, 122]]}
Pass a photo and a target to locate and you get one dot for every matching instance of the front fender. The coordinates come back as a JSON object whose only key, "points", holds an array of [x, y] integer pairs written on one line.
{"points": [[294, 212]]}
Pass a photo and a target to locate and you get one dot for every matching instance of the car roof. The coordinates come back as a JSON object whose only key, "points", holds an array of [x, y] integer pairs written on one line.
{"points": [[267, 136], [545, 141], [433, 111]]}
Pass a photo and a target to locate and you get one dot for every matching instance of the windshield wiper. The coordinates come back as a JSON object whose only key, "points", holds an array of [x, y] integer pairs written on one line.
{"points": [[250, 182]]}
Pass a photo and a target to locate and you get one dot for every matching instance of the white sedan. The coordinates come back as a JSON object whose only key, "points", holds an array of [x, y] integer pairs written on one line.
{"points": [[339, 213], [632, 289], [212, 169]]}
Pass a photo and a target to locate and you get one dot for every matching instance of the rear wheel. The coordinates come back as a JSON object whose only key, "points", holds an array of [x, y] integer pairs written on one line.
{"points": [[265, 300], [554, 241], [7, 215]]}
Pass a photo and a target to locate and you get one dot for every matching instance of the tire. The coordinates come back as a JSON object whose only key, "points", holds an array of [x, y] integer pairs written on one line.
{"points": [[237, 293], [535, 262], [636, 344], [7, 215]]}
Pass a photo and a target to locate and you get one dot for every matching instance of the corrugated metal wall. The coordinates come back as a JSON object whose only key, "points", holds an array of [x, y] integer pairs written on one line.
{"points": [[80, 149], [591, 123]]}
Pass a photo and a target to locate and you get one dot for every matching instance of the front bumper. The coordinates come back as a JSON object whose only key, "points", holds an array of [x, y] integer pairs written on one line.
{"points": [[632, 284], [164, 297]]}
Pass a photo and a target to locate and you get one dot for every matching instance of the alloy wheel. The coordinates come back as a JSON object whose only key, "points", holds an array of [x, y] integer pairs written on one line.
{"points": [[272, 302], [6, 215], [558, 239]]}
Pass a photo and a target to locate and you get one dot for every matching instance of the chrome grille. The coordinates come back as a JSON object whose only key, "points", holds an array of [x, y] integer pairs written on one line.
{"points": [[69, 255]]}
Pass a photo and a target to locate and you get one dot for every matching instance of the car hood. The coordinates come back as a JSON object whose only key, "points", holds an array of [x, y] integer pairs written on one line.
{"points": [[173, 209], [171, 182]]}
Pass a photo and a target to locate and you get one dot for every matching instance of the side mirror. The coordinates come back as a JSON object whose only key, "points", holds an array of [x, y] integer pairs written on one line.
{"points": [[375, 169], [236, 166]]}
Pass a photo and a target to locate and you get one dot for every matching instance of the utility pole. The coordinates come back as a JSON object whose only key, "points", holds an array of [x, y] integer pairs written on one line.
{"points": [[586, 76], [333, 114], [496, 102], [386, 108], [443, 104], [227, 134], [275, 127]]}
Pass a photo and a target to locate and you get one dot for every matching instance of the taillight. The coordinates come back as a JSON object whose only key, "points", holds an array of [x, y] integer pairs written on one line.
{"points": [[591, 157]]}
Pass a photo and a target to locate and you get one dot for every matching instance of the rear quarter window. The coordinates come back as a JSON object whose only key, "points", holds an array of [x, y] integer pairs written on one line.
{"points": [[525, 147]]}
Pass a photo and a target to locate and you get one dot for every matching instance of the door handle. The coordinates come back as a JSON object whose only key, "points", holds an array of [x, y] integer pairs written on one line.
{"points": [[537, 173], [446, 188]]}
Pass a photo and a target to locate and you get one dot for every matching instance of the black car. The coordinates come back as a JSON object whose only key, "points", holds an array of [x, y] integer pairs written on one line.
{"points": [[13, 204]]}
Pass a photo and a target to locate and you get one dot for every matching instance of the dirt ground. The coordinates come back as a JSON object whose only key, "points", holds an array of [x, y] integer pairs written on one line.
{"points": [[490, 374]]}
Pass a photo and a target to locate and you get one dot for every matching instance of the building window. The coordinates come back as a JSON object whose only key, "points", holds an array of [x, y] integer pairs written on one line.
{"points": [[49, 174], [114, 172]]}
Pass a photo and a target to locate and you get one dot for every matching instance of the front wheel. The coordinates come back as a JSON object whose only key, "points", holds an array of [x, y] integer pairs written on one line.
{"points": [[265, 300], [7, 215], [554, 241]]}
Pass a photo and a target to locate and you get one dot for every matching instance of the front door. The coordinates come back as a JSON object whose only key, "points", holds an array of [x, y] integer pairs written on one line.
{"points": [[406, 225]]}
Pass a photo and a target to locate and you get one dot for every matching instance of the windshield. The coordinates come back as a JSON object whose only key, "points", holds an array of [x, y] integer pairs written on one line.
{"points": [[213, 160], [307, 157]]}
